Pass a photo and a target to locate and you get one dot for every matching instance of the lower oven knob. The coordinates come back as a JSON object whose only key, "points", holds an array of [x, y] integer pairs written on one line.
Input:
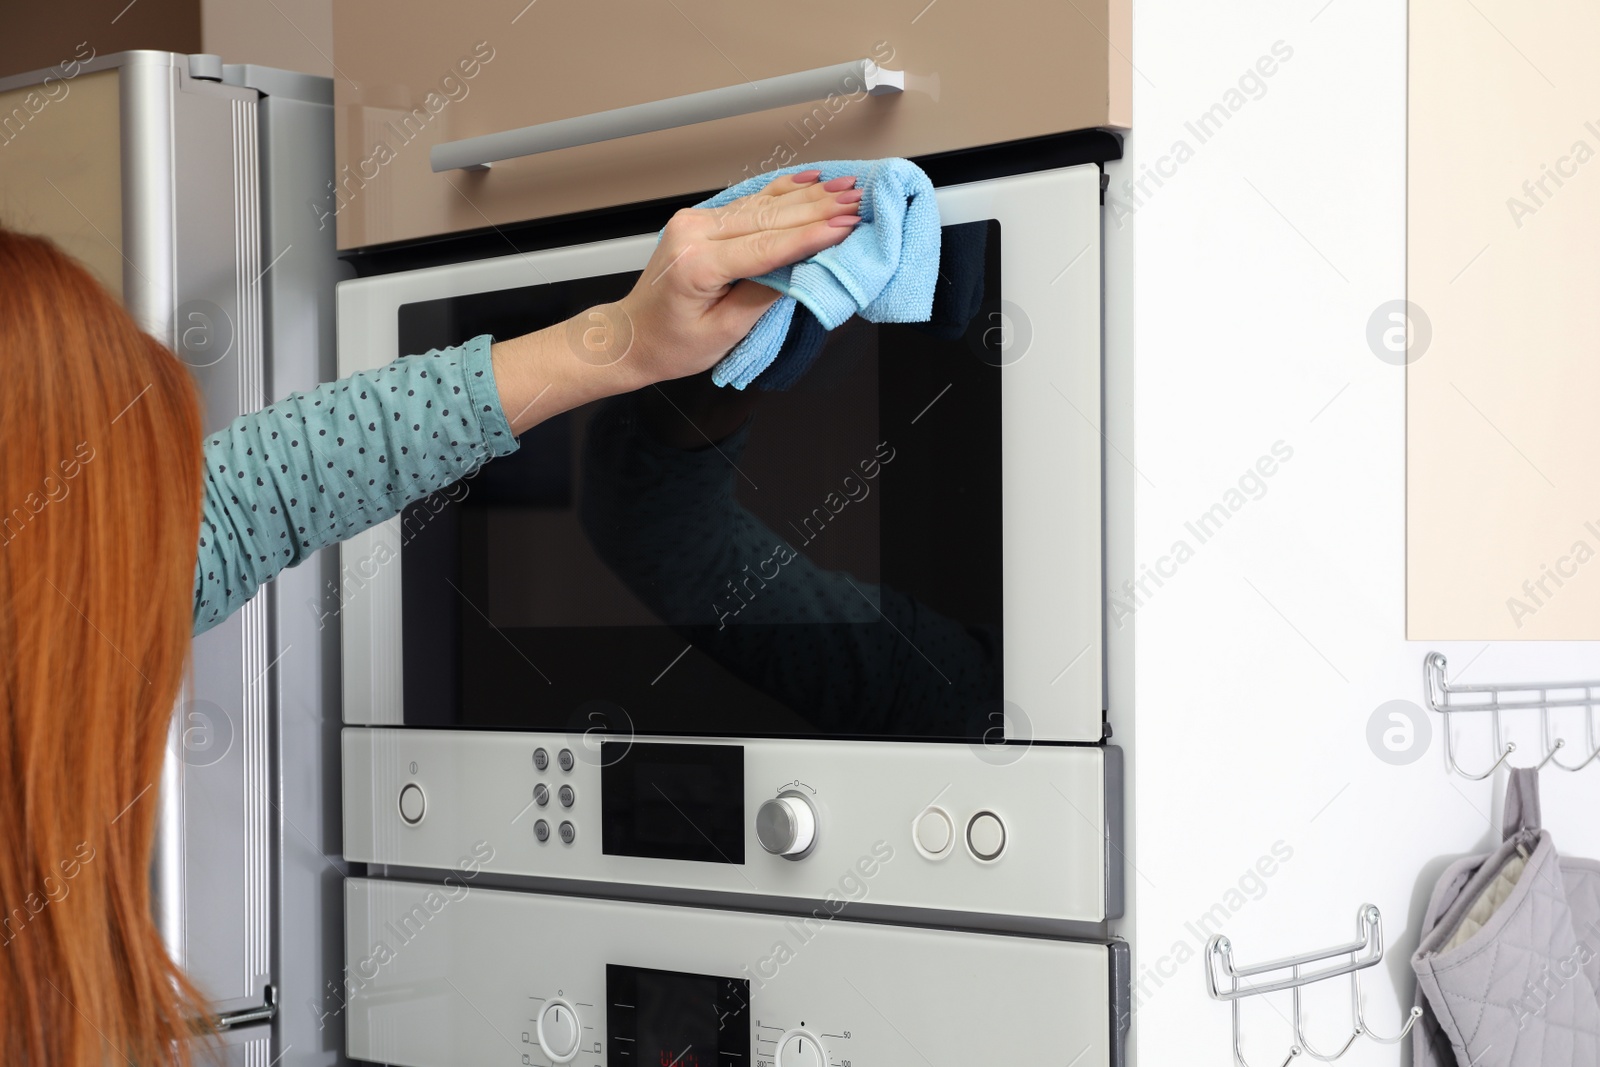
{"points": [[798, 1048], [559, 1030], [786, 825]]}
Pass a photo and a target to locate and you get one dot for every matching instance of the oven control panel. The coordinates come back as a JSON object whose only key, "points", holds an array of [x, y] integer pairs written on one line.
{"points": [[447, 974], [1023, 838]]}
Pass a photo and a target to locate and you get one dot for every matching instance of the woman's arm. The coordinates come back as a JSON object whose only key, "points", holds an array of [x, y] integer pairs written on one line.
{"points": [[317, 467]]}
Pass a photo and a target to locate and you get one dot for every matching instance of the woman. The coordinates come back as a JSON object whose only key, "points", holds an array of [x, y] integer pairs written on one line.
{"points": [[106, 488]]}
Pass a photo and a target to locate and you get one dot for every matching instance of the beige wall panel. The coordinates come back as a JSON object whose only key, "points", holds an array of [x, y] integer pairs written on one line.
{"points": [[976, 74], [290, 34], [1503, 258], [61, 168]]}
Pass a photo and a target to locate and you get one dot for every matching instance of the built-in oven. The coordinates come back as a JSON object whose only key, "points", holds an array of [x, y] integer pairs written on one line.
{"points": [[450, 972], [718, 645]]}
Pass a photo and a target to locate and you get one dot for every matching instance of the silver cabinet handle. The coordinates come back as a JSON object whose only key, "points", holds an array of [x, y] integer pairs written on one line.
{"points": [[476, 153]]}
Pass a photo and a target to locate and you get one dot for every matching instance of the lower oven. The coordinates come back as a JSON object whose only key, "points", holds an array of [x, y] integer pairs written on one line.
{"points": [[449, 973]]}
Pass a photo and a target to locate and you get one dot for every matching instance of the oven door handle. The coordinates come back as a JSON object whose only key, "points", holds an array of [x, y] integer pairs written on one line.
{"points": [[476, 153]]}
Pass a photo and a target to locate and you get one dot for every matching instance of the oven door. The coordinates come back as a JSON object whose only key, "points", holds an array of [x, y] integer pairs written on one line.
{"points": [[903, 544]]}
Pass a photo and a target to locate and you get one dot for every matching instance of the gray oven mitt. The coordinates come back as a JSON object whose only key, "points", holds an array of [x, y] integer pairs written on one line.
{"points": [[1508, 971]]}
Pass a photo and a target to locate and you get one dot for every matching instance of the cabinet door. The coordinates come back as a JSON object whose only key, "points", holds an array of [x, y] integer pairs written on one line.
{"points": [[413, 74], [1503, 268]]}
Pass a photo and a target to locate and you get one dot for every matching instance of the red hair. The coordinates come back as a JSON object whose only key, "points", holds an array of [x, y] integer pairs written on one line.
{"points": [[100, 481]]}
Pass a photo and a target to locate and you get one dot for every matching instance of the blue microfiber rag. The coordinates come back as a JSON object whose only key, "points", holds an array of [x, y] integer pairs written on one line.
{"points": [[884, 271]]}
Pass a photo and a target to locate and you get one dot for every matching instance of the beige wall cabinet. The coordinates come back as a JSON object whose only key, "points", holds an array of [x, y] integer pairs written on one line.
{"points": [[413, 74], [1503, 266]]}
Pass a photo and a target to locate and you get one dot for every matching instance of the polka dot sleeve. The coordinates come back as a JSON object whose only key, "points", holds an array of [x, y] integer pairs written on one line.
{"points": [[318, 467]]}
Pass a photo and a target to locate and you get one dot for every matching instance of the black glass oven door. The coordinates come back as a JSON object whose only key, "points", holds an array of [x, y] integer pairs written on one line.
{"points": [[821, 560]]}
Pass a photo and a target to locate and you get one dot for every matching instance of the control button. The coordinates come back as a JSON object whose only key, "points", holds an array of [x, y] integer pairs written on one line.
{"points": [[559, 1030], [541, 759], [786, 825], [541, 795], [568, 832], [798, 1048], [567, 796], [541, 830], [986, 835], [412, 803], [934, 832], [564, 758]]}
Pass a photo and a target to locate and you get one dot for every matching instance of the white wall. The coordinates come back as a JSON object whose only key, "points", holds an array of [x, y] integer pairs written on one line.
{"points": [[1241, 290]]}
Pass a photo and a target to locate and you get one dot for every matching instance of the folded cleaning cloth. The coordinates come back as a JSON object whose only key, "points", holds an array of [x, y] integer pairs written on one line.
{"points": [[957, 299], [884, 271]]}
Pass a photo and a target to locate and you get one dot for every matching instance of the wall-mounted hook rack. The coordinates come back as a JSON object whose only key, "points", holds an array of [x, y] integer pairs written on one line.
{"points": [[1450, 699], [1226, 980]]}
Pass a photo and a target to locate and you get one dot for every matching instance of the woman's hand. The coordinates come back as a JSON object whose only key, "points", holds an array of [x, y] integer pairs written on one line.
{"points": [[695, 301], [691, 305]]}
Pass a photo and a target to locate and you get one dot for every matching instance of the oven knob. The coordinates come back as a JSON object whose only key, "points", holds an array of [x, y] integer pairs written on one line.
{"points": [[798, 1048], [786, 825], [559, 1030]]}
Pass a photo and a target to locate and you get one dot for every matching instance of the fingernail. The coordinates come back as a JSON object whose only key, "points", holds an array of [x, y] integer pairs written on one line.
{"points": [[849, 196], [806, 176], [834, 185], [844, 220]]}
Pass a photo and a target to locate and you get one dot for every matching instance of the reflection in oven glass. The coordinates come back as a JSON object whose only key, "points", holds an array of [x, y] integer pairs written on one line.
{"points": [[822, 559]]}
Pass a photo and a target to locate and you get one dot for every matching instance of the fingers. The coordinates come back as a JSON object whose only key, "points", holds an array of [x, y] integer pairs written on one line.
{"points": [[785, 183], [757, 253], [785, 203]]}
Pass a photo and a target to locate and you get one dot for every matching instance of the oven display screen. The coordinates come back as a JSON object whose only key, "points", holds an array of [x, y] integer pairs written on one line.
{"points": [[818, 555], [672, 802], [670, 1019]]}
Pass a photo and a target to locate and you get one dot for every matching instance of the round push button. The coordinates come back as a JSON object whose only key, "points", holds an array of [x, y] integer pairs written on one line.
{"points": [[934, 832], [541, 759], [541, 795], [568, 832], [568, 797], [564, 759], [541, 830], [798, 1048], [412, 804], [559, 1030], [986, 835]]}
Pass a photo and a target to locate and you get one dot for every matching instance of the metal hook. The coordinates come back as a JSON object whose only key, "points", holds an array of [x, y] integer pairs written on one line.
{"points": [[1299, 1034], [1220, 949], [1238, 1052], [1362, 1027], [1450, 759], [1355, 997], [1588, 721]]}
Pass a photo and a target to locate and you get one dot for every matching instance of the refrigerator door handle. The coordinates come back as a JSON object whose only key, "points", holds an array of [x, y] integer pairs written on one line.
{"points": [[476, 153], [230, 1020]]}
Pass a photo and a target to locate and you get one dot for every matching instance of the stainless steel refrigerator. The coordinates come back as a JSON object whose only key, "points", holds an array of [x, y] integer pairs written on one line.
{"points": [[189, 188]]}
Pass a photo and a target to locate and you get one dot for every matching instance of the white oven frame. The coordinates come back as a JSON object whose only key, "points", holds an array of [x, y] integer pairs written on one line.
{"points": [[1051, 446]]}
